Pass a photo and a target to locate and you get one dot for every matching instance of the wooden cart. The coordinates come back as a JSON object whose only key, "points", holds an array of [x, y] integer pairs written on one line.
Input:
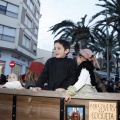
{"points": [[50, 105]]}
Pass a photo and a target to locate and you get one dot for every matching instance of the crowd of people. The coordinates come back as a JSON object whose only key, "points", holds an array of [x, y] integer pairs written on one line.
{"points": [[61, 73], [104, 85]]}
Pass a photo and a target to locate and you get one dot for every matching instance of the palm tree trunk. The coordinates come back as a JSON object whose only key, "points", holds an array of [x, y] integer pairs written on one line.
{"points": [[119, 37], [83, 36], [77, 48], [83, 43]]}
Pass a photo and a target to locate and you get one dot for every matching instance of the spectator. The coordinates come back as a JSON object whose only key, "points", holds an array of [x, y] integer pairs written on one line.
{"points": [[2, 76], [103, 86], [13, 82], [117, 89], [34, 71], [110, 86]]}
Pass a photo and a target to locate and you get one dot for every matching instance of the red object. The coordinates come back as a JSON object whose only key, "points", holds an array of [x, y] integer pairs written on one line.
{"points": [[36, 67], [23, 76], [12, 64]]}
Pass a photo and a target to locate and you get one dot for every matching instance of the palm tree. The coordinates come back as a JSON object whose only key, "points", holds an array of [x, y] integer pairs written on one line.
{"points": [[112, 12], [98, 42], [75, 33]]}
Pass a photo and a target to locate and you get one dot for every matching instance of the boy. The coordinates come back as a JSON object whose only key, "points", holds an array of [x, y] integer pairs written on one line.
{"points": [[59, 71]]}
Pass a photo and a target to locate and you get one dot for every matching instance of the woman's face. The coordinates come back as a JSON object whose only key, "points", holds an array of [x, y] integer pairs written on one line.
{"points": [[12, 77]]}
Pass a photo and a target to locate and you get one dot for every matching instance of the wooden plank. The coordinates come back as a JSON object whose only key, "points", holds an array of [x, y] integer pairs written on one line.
{"points": [[38, 108], [45, 93], [6, 107], [98, 96], [24, 92]]}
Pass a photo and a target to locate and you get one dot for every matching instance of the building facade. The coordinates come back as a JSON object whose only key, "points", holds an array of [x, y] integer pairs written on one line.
{"points": [[43, 55], [19, 24]]}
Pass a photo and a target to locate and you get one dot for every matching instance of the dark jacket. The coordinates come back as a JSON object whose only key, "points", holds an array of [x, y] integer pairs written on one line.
{"points": [[58, 73], [2, 79]]}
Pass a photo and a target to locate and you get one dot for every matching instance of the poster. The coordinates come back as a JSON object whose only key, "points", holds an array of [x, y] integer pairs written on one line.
{"points": [[75, 112], [102, 111]]}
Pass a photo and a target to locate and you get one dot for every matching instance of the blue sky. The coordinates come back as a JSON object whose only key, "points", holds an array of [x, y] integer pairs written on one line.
{"points": [[55, 11]]}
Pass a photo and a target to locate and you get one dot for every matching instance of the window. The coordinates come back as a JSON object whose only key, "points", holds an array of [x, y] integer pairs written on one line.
{"points": [[26, 42], [3, 7], [36, 31], [17, 69], [7, 33], [34, 48], [38, 2], [12, 10], [9, 9], [37, 15], [28, 21], [1, 31], [2, 67], [30, 4]]}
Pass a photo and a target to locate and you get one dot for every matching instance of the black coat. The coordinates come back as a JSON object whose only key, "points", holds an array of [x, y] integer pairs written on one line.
{"points": [[2, 79], [58, 73]]}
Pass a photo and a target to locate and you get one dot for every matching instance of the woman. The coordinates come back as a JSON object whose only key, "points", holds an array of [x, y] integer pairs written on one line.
{"points": [[34, 70], [30, 79], [85, 77]]}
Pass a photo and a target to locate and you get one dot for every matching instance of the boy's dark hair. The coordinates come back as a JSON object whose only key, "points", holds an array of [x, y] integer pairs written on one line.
{"points": [[64, 43]]}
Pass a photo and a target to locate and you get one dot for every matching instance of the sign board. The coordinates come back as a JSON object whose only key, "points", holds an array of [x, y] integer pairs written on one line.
{"points": [[12, 64], [102, 111]]}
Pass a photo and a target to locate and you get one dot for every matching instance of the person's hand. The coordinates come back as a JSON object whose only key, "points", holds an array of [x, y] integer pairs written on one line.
{"points": [[35, 89], [67, 97], [60, 89], [1, 86]]}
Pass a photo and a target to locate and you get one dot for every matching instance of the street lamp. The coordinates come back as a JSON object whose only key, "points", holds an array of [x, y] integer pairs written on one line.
{"points": [[117, 72]]}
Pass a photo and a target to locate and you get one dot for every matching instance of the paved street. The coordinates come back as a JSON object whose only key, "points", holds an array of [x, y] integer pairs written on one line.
{"points": [[105, 73]]}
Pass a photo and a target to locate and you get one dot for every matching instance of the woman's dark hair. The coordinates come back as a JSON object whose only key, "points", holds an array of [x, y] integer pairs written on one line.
{"points": [[64, 43]]}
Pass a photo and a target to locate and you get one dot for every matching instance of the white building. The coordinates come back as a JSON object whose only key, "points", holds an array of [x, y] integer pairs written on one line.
{"points": [[43, 55], [19, 24]]}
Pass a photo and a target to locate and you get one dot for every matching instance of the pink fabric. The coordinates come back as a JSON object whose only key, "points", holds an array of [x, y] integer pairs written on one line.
{"points": [[88, 54]]}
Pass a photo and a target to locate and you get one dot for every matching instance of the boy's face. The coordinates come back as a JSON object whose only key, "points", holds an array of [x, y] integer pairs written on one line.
{"points": [[59, 50]]}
